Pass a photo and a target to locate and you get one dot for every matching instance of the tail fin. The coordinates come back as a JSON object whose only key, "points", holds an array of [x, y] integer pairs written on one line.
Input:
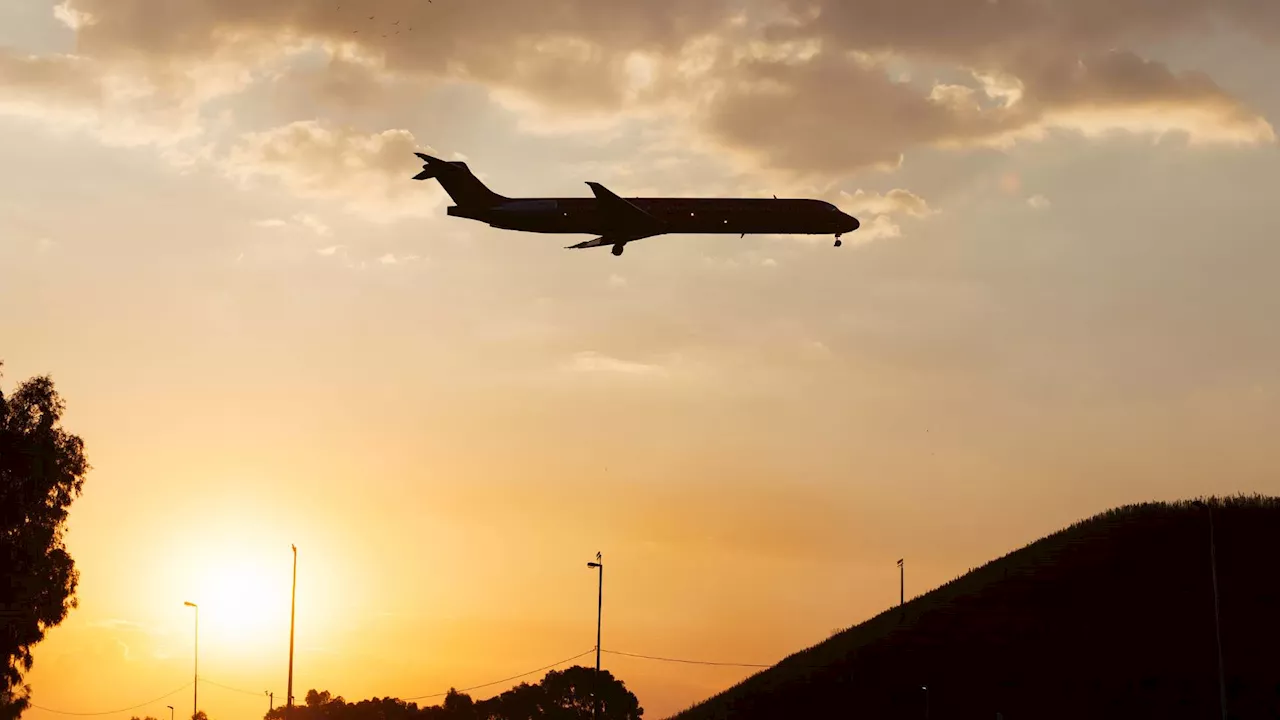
{"points": [[456, 179]]}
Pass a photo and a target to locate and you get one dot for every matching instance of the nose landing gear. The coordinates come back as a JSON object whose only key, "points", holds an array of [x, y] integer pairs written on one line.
{"points": [[839, 242]]}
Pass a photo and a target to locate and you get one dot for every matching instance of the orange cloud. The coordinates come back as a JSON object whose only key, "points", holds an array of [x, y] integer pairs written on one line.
{"points": [[818, 91]]}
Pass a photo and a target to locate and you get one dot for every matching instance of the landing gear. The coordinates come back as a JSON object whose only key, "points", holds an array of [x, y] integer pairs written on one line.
{"points": [[839, 242], [617, 249]]}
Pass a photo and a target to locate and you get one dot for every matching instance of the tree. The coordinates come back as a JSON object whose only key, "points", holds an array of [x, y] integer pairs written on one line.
{"points": [[566, 695], [42, 469]]}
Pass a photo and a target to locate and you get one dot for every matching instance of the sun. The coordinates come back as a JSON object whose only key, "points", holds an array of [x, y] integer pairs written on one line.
{"points": [[243, 601]]}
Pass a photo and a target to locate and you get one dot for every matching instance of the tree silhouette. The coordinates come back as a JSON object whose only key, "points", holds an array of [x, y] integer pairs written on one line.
{"points": [[568, 695], [562, 695], [42, 470]]}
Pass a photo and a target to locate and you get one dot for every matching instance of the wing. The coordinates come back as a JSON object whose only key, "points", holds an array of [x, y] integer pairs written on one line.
{"points": [[614, 239], [620, 208]]}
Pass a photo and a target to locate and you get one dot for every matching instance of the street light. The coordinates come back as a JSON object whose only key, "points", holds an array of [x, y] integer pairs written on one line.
{"points": [[195, 683], [293, 599], [1217, 623], [599, 566], [925, 688], [170, 711]]}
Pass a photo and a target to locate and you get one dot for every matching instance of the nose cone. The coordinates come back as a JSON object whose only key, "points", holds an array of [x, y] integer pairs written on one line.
{"points": [[852, 224]]}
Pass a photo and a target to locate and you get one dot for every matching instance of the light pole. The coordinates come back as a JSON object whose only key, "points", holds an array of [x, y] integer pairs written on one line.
{"points": [[925, 688], [902, 584], [599, 566], [170, 711], [195, 683], [1217, 623], [292, 605]]}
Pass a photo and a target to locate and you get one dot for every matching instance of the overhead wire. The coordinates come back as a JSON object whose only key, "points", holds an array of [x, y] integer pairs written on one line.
{"points": [[232, 689], [112, 712], [686, 662], [658, 658], [497, 682]]}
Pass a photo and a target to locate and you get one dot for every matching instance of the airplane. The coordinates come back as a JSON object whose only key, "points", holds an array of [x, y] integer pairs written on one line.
{"points": [[618, 221]]}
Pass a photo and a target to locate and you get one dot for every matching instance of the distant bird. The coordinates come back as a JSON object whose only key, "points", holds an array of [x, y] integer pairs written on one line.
{"points": [[396, 22], [370, 17]]}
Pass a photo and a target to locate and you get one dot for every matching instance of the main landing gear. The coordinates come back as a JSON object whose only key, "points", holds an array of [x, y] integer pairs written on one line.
{"points": [[617, 249], [838, 241]]}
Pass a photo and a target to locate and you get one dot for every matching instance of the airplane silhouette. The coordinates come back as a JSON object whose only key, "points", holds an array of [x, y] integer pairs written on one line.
{"points": [[618, 221]]}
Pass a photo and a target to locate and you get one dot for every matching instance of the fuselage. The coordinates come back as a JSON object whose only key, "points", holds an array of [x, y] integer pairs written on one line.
{"points": [[670, 215]]}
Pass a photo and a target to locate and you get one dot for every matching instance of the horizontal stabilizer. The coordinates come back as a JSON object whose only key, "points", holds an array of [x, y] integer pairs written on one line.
{"points": [[458, 181]]}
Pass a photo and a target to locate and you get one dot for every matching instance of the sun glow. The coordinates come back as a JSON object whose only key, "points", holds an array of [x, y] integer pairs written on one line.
{"points": [[241, 600]]}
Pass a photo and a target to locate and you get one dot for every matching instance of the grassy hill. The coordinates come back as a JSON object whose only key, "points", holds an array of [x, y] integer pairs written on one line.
{"points": [[1112, 617]]}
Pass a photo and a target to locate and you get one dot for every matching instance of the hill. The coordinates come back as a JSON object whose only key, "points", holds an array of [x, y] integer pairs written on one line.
{"points": [[1112, 617]]}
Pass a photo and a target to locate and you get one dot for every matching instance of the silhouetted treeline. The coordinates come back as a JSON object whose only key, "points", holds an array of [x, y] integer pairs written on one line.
{"points": [[1111, 618], [561, 695]]}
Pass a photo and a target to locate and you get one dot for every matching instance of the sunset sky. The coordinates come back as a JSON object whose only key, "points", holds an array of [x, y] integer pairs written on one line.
{"points": [[1063, 298]]}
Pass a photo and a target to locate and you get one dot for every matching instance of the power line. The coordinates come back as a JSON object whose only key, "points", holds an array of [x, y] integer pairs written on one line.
{"points": [[687, 662], [232, 689], [112, 712], [429, 695], [497, 682]]}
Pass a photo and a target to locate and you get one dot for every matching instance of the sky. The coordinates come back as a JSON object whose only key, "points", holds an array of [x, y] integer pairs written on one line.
{"points": [[1061, 300]]}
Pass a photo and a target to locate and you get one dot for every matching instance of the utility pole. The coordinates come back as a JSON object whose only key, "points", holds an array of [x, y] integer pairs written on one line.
{"points": [[902, 584], [595, 700], [1217, 623], [292, 606], [271, 700]]}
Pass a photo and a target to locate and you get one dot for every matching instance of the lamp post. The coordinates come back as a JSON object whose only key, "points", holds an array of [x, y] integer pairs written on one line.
{"points": [[195, 682], [902, 584], [170, 711], [1217, 623], [925, 688], [599, 566], [292, 605]]}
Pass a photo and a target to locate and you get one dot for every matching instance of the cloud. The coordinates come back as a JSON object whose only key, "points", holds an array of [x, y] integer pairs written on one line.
{"points": [[328, 251], [366, 172], [1039, 202], [808, 87], [594, 362], [787, 115], [617, 281], [571, 52], [302, 220], [117, 624], [894, 202], [312, 223], [880, 227]]}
